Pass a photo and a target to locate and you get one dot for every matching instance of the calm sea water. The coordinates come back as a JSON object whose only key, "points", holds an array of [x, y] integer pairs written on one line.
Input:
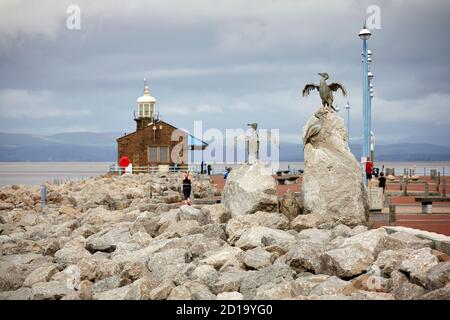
{"points": [[36, 173]]}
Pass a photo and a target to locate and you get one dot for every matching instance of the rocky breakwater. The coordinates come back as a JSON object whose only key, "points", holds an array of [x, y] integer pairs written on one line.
{"points": [[333, 188], [128, 238]]}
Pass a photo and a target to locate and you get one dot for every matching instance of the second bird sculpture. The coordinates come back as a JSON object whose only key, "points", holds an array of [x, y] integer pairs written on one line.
{"points": [[325, 90]]}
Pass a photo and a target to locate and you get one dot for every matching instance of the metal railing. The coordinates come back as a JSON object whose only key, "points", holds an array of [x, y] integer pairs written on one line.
{"points": [[152, 169]]}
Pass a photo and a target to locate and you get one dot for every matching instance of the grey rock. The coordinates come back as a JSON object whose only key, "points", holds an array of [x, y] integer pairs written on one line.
{"points": [[199, 291], [108, 240], [289, 205], [305, 256], [219, 213], [331, 286], [257, 258], [438, 294], [180, 293], [263, 236], [191, 213], [106, 284], [228, 282], [234, 295], [19, 294], [348, 261], [52, 290], [315, 235], [438, 276], [42, 274], [341, 230], [249, 189], [417, 265], [332, 184], [206, 274], [271, 274]]}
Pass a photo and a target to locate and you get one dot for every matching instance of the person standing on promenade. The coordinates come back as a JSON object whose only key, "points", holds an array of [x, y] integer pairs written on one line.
{"points": [[209, 169], [369, 169], [382, 181], [187, 187]]}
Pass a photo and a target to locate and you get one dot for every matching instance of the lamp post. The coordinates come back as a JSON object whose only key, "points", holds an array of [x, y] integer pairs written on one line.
{"points": [[347, 106], [364, 35]]}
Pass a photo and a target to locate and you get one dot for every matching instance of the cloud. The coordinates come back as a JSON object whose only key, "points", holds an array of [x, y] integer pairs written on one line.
{"points": [[225, 62], [20, 104]]}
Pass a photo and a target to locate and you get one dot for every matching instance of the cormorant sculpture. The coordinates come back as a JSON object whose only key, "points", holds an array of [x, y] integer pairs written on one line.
{"points": [[325, 90]]}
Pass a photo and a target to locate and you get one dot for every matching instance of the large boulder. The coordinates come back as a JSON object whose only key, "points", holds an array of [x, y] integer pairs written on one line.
{"points": [[332, 182], [249, 188]]}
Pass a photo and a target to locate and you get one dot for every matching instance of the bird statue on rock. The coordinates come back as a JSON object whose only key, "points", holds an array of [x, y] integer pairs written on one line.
{"points": [[325, 90]]}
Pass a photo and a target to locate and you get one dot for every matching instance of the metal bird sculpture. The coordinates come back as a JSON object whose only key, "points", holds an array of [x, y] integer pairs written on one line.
{"points": [[325, 90]]}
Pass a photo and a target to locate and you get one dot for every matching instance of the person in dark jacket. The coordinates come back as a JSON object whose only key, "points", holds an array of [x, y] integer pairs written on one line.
{"points": [[382, 181], [187, 187]]}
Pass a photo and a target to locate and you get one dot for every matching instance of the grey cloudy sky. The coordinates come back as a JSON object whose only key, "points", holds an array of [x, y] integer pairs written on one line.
{"points": [[224, 62]]}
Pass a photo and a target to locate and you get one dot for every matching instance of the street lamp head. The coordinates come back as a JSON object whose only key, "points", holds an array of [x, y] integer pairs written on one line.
{"points": [[371, 95], [369, 52], [370, 75], [364, 34], [369, 60], [371, 90], [347, 106]]}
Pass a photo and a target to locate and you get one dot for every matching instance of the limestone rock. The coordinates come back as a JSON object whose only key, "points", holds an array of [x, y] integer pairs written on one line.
{"points": [[257, 258], [370, 240], [305, 256], [438, 276], [228, 282], [180, 293], [72, 252], [357, 230], [42, 274], [19, 294], [162, 291], [390, 260], [199, 291], [263, 236], [52, 290], [234, 295], [332, 182], [417, 264], [249, 189], [439, 294], [306, 221], [281, 291], [289, 205], [108, 240], [315, 235], [206, 274], [218, 258], [331, 286], [191, 213], [219, 213], [348, 261], [271, 274], [237, 225]]}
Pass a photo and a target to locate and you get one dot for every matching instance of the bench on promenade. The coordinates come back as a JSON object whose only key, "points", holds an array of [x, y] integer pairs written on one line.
{"points": [[427, 202]]}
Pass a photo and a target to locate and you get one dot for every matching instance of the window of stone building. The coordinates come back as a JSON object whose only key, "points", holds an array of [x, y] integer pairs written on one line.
{"points": [[164, 154], [153, 154], [146, 110]]}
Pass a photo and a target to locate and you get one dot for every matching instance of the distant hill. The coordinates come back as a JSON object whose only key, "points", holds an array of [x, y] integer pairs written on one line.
{"points": [[77, 146], [89, 146]]}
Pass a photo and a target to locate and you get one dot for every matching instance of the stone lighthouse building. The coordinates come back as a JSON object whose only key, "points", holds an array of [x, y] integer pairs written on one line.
{"points": [[155, 142]]}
